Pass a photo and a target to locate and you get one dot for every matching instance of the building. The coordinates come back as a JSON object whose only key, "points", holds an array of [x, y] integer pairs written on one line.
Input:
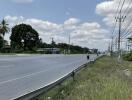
{"points": [[49, 50]]}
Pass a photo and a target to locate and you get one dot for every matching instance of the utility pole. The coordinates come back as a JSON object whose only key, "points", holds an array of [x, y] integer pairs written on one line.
{"points": [[129, 47], [69, 51], [109, 48], [120, 19], [117, 44], [52, 44], [112, 46], [126, 46]]}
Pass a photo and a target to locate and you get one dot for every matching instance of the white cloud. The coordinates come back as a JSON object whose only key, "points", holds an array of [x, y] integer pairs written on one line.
{"points": [[71, 23], [44, 26], [81, 33], [22, 1], [89, 30], [89, 34], [46, 29], [108, 9]]}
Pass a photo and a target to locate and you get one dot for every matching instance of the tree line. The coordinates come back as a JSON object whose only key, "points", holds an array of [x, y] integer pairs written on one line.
{"points": [[25, 38], [128, 56]]}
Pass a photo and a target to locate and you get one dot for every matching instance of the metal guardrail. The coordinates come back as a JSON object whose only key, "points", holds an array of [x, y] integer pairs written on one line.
{"points": [[51, 85]]}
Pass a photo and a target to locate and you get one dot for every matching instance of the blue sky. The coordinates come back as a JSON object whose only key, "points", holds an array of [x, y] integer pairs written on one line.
{"points": [[59, 17], [54, 10]]}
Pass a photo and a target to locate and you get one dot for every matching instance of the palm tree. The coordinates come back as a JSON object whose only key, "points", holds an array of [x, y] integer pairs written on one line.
{"points": [[3, 29]]}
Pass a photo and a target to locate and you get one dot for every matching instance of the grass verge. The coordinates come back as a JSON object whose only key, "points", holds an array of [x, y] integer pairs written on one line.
{"points": [[106, 79]]}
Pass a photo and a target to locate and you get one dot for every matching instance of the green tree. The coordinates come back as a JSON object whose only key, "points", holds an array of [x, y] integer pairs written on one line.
{"points": [[3, 29], [53, 44], [24, 37], [129, 38], [128, 56], [1, 42]]}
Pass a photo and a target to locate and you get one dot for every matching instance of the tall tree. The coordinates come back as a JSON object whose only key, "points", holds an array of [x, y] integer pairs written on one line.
{"points": [[24, 36], [129, 38], [3, 29], [1, 42]]}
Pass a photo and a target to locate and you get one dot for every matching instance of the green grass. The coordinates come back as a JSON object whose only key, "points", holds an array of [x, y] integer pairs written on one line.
{"points": [[106, 79]]}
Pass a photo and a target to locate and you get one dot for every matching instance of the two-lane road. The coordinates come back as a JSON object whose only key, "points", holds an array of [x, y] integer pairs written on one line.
{"points": [[20, 75]]}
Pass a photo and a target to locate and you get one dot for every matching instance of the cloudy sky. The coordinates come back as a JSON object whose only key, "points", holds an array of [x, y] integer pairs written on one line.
{"points": [[88, 22]]}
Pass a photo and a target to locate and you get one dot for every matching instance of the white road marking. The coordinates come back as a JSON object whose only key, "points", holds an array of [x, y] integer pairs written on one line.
{"points": [[22, 77]]}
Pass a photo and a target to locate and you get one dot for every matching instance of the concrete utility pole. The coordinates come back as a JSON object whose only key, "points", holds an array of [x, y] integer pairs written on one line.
{"points": [[52, 44], [116, 44], [69, 51], [128, 46], [120, 19], [112, 46], [109, 47]]}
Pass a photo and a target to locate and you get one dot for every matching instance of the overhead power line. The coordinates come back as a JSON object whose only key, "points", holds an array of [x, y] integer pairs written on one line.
{"points": [[127, 11]]}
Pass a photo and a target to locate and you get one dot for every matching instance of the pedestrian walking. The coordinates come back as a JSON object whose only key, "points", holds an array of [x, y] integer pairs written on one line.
{"points": [[87, 57]]}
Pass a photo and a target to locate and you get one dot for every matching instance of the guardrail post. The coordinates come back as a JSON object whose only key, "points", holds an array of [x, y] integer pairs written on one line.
{"points": [[73, 75]]}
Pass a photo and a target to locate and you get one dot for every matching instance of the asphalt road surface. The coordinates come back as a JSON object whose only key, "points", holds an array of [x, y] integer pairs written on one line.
{"points": [[22, 74]]}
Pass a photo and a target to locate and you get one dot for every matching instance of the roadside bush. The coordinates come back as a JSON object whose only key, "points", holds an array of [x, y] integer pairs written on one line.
{"points": [[128, 56]]}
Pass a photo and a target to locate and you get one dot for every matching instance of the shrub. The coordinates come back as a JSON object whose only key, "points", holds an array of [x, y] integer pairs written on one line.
{"points": [[128, 56]]}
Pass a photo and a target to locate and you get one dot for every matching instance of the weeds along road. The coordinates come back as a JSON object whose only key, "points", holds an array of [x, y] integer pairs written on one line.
{"points": [[22, 74]]}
